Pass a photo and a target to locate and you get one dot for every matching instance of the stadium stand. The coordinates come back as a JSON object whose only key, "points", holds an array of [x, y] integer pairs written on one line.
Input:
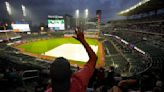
{"points": [[8, 35], [147, 34]]}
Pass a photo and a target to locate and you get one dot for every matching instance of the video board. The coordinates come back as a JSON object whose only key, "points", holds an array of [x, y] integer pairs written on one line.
{"points": [[56, 23]]}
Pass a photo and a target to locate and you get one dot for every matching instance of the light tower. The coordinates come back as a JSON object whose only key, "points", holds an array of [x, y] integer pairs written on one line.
{"points": [[86, 18], [8, 7], [24, 10], [77, 17], [86, 13]]}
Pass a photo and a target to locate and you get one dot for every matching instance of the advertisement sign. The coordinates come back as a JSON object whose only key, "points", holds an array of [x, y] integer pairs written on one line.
{"points": [[20, 27]]}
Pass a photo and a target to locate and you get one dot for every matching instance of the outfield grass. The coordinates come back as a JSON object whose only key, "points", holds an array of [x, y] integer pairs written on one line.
{"points": [[42, 46]]}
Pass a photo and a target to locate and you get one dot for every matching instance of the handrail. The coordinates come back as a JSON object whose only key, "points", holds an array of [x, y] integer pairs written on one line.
{"points": [[30, 77]]}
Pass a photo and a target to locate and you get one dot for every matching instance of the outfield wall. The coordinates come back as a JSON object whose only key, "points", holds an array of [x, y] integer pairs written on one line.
{"points": [[86, 34]]}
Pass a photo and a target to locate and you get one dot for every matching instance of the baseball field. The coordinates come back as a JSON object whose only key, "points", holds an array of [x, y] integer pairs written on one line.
{"points": [[69, 48]]}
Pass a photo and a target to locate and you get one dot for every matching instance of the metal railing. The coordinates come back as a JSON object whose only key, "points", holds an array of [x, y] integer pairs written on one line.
{"points": [[31, 74]]}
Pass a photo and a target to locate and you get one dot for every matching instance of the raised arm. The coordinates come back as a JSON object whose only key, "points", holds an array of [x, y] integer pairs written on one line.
{"points": [[80, 37], [86, 72]]}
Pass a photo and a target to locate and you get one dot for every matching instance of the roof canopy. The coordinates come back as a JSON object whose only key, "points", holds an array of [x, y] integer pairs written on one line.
{"points": [[143, 7]]}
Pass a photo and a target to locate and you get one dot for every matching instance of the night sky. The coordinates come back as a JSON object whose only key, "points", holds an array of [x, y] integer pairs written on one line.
{"points": [[38, 10]]}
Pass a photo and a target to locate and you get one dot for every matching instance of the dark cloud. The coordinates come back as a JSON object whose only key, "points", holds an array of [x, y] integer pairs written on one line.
{"points": [[39, 9]]}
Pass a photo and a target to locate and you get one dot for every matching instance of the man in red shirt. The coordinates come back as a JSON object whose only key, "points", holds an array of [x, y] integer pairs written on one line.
{"points": [[61, 77]]}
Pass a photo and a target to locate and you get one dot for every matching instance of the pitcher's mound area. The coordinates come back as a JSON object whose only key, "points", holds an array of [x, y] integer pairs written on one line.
{"points": [[74, 52]]}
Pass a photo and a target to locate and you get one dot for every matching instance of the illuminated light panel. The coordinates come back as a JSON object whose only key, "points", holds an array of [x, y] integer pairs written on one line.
{"points": [[8, 7], [24, 10], [86, 13], [20, 27], [77, 13]]}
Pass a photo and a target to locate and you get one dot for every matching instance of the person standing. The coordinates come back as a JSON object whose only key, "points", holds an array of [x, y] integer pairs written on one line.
{"points": [[63, 80]]}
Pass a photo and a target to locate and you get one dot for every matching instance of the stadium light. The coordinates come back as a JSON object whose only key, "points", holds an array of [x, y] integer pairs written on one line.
{"points": [[77, 17], [8, 8], [24, 10], [86, 17], [77, 13], [86, 13]]}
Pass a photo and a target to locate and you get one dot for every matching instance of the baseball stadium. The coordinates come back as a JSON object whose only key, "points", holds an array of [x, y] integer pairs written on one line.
{"points": [[120, 47]]}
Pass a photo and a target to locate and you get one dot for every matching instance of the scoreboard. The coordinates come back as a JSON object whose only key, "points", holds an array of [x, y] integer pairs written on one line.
{"points": [[56, 22]]}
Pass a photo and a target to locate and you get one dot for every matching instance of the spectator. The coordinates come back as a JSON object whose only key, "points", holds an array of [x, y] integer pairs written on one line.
{"points": [[123, 86], [100, 77], [61, 77], [92, 80], [117, 78], [110, 77], [158, 87]]}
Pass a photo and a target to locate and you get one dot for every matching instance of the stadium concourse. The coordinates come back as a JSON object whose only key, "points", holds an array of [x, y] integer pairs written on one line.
{"points": [[133, 49]]}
